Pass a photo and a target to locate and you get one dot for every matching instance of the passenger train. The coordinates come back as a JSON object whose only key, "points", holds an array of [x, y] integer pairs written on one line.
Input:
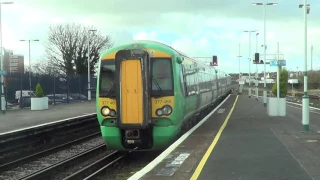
{"points": [[148, 94]]}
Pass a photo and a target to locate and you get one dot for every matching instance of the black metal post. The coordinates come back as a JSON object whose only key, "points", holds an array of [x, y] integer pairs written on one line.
{"points": [[79, 87], [67, 89], [54, 90], [21, 104]]}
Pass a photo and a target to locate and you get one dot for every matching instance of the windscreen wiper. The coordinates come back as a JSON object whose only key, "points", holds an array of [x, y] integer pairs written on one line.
{"points": [[156, 83], [111, 92]]}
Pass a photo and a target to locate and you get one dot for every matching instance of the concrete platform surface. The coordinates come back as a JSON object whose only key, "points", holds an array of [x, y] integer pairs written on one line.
{"points": [[17, 119], [244, 143]]}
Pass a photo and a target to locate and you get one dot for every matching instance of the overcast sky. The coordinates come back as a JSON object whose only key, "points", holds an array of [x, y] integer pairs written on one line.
{"points": [[195, 27]]}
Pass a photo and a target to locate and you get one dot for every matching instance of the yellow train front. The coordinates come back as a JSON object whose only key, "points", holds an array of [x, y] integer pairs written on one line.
{"points": [[141, 99]]}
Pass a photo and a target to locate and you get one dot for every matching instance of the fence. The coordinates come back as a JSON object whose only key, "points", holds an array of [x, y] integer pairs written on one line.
{"points": [[58, 88]]}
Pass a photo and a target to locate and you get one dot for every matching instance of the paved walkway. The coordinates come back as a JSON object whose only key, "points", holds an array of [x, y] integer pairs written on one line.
{"points": [[16, 119], [245, 143]]}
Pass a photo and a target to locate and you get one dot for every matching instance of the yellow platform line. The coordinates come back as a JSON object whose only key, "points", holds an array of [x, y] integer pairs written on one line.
{"points": [[213, 144]]}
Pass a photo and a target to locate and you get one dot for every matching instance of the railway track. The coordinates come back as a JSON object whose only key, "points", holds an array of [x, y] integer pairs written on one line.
{"points": [[27, 137], [18, 161], [45, 163], [94, 169], [23, 143]]}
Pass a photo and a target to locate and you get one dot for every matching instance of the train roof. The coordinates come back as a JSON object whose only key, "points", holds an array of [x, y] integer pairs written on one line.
{"points": [[156, 43]]}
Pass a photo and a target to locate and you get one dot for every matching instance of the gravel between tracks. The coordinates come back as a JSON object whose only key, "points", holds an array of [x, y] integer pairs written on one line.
{"points": [[40, 146], [129, 165], [91, 159], [43, 162]]}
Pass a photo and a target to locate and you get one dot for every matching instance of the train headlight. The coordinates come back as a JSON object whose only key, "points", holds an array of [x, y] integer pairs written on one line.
{"points": [[105, 111], [113, 113], [165, 110], [159, 112]]}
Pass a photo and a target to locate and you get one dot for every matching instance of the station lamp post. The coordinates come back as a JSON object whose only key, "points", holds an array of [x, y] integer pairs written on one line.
{"points": [[311, 56], [3, 107], [240, 90], [29, 40], [89, 83], [249, 32], [305, 98], [257, 81], [264, 4]]}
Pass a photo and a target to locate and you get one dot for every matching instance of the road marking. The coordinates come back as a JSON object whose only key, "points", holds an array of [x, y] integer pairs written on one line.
{"points": [[173, 146], [174, 165], [221, 110], [312, 140], [215, 140]]}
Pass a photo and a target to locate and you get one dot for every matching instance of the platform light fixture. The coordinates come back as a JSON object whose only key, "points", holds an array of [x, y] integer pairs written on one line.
{"points": [[305, 98], [249, 32], [265, 4], [2, 103], [89, 83], [29, 40]]}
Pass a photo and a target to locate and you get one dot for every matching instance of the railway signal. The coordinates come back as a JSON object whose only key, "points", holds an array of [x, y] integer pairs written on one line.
{"points": [[256, 58], [214, 61]]}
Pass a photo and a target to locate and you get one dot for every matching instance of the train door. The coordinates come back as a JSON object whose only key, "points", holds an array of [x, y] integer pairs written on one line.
{"points": [[133, 70]]}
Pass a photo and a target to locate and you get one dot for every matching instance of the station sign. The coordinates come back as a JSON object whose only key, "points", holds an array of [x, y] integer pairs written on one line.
{"points": [[278, 63]]}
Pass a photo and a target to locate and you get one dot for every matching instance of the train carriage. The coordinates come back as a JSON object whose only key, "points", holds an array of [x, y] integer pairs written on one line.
{"points": [[148, 92]]}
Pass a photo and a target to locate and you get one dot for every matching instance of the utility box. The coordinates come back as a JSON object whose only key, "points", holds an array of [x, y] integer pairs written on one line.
{"points": [[276, 106]]}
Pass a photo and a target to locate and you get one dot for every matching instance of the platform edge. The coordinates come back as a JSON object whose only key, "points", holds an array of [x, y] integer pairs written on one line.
{"points": [[165, 153]]}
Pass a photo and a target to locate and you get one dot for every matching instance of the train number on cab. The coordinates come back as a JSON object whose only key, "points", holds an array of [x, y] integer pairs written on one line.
{"points": [[160, 101], [108, 102]]}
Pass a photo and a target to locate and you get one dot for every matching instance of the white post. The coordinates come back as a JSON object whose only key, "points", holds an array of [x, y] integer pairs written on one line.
{"points": [[89, 88], [249, 64], [3, 107], [278, 80], [278, 75], [240, 89], [89, 79], [29, 70], [239, 63], [257, 81], [265, 47], [305, 98], [311, 56], [89, 83]]}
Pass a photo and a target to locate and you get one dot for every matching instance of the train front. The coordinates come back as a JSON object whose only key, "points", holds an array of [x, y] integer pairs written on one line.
{"points": [[136, 99]]}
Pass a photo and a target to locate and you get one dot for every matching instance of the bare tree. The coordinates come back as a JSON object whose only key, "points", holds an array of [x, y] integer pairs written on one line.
{"points": [[67, 48], [313, 79], [44, 67]]}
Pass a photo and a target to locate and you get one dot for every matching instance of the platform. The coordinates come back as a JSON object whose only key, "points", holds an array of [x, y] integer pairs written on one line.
{"points": [[240, 141], [23, 118]]}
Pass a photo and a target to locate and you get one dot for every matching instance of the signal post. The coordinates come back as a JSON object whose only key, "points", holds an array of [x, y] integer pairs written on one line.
{"points": [[257, 61]]}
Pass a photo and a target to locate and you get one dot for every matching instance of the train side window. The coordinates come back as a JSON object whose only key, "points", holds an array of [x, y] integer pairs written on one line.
{"points": [[188, 79], [208, 81], [200, 81], [182, 80]]}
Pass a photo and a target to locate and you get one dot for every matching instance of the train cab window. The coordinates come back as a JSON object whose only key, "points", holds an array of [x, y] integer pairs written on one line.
{"points": [[162, 83], [107, 79]]}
